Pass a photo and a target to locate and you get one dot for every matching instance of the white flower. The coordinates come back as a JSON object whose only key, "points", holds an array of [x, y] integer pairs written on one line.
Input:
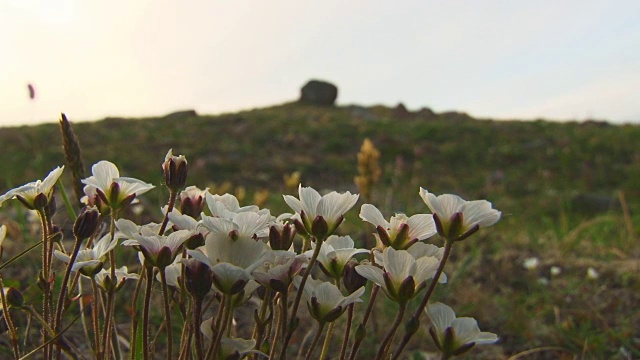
{"points": [[326, 302], [555, 270], [227, 206], [28, 193], [159, 250], [401, 231], [103, 278], [90, 261], [129, 229], [334, 254], [452, 335], [327, 211], [456, 218], [278, 269], [181, 221], [228, 278], [403, 276], [235, 241], [114, 190], [531, 263]]}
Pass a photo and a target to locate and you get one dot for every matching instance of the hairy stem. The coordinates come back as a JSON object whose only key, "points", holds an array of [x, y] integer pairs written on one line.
{"points": [[347, 331], [391, 333]]}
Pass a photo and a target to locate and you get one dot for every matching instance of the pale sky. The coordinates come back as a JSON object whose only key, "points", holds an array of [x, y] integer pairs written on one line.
{"points": [[555, 59]]}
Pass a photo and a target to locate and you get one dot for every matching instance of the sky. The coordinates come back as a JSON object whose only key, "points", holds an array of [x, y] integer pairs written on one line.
{"points": [[560, 60]]}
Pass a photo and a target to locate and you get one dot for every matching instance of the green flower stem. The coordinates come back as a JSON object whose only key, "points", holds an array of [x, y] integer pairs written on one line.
{"points": [[145, 314], [415, 319], [65, 200], [327, 341], [347, 331], [315, 340], [134, 321], [365, 319], [13, 334], [296, 302], [392, 332], [167, 310]]}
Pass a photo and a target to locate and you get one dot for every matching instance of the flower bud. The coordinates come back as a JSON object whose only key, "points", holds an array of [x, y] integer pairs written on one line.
{"points": [[407, 289], [194, 241], [281, 239], [164, 258], [175, 171], [198, 278], [51, 205], [384, 236], [455, 226], [351, 279], [87, 223], [300, 228], [14, 297], [41, 201], [192, 201], [319, 227]]}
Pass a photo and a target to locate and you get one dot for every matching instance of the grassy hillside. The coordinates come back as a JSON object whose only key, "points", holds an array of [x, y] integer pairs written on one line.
{"points": [[529, 165], [552, 181]]}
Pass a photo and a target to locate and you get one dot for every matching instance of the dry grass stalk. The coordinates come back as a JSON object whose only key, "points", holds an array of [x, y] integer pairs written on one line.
{"points": [[73, 155]]}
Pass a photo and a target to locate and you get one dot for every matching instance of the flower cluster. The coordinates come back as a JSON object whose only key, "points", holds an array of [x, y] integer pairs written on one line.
{"points": [[210, 250]]}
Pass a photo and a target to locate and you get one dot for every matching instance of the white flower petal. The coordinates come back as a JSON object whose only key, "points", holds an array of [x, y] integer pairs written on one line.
{"points": [[372, 273], [441, 316], [421, 226], [309, 199], [371, 214], [399, 264], [481, 213]]}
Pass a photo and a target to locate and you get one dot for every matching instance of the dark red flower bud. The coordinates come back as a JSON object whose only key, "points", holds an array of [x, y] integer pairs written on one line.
{"points": [[198, 278], [87, 223], [319, 227], [351, 279], [175, 171]]}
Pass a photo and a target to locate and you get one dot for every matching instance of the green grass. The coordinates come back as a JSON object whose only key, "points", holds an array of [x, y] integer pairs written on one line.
{"points": [[530, 170]]}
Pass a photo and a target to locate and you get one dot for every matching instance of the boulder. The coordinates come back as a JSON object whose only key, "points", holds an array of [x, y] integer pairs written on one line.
{"points": [[319, 92]]}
